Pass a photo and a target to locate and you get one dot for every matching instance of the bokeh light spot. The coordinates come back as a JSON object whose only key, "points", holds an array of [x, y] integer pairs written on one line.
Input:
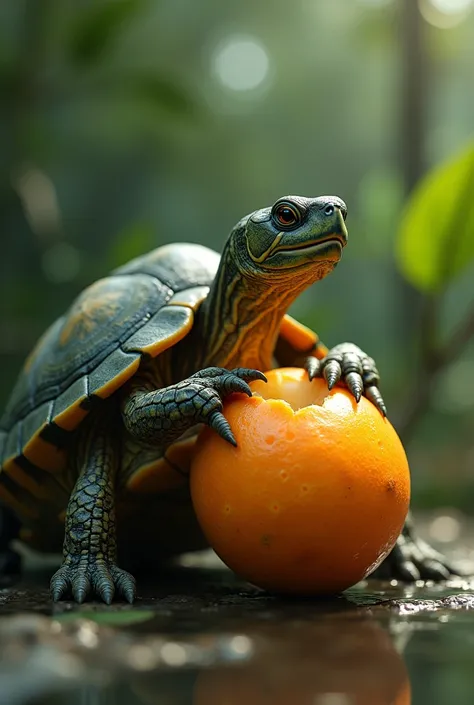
{"points": [[61, 263], [451, 7], [445, 529], [241, 63], [445, 14]]}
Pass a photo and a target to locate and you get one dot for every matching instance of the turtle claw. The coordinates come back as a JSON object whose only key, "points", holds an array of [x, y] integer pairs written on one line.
{"points": [[313, 367], [355, 384], [373, 394], [219, 423], [249, 374], [348, 363], [125, 583], [213, 385], [59, 585], [332, 373], [90, 575]]}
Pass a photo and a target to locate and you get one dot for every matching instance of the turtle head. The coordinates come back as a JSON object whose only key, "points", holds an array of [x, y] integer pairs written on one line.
{"points": [[295, 234]]}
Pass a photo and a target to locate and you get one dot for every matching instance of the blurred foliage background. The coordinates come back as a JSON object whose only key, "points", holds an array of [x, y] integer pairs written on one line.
{"points": [[125, 124]]}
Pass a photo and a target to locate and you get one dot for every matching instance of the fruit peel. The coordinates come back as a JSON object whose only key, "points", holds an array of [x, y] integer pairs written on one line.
{"points": [[312, 500]]}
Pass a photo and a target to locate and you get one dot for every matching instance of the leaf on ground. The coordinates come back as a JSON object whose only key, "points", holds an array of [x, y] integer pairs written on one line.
{"points": [[436, 235]]}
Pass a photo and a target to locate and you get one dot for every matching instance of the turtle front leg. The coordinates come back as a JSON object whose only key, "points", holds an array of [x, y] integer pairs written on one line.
{"points": [[160, 417], [349, 364], [90, 549], [411, 558]]}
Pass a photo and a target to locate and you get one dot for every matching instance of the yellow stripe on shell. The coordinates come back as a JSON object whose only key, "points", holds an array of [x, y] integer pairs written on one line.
{"points": [[191, 297], [23, 479], [162, 475], [44, 454]]}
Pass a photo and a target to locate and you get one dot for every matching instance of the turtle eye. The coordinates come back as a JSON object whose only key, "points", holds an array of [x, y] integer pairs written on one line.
{"points": [[286, 215]]}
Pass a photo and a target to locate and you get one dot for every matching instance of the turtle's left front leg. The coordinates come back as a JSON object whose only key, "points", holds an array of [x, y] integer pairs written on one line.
{"points": [[90, 550], [349, 364], [411, 558]]}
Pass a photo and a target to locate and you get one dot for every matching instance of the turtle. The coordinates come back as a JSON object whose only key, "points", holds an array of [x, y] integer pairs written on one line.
{"points": [[97, 437]]}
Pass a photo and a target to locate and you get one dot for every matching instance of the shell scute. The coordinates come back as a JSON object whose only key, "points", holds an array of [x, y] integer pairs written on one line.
{"points": [[86, 355]]}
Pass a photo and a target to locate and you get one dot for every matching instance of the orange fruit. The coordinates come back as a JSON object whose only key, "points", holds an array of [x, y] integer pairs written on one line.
{"points": [[314, 496]]}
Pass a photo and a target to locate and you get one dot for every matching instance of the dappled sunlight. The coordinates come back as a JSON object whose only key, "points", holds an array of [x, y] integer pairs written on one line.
{"points": [[241, 63], [445, 14]]}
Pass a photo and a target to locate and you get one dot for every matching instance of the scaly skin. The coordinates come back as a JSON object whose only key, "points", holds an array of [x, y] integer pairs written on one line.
{"points": [[90, 549], [269, 258], [348, 363], [159, 417]]}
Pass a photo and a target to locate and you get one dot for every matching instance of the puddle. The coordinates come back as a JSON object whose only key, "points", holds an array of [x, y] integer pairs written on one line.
{"points": [[198, 636]]}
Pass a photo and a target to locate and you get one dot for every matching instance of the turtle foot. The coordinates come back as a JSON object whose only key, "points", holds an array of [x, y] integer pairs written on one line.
{"points": [[413, 559], [87, 576], [349, 364]]}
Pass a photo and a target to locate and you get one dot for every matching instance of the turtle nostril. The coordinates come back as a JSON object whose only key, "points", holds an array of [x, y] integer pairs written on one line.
{"points": [[329, 210]]}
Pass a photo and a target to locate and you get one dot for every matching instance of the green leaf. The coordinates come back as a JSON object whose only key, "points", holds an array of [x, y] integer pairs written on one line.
{"points": [[436, 235], [97, 28], [120, 618]]}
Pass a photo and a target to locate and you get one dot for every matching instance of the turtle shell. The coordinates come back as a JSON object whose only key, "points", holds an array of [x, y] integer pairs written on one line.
{"points": [[140, 310]]}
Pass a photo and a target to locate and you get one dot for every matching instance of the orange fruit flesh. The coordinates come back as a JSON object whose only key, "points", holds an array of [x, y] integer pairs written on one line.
{"points": [[314, 496]]}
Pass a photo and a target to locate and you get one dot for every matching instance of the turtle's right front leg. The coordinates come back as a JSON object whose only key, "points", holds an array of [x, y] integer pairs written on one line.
{"points": [[160, 417]]}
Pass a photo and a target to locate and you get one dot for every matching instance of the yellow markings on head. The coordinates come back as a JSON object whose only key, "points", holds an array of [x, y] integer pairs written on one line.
{"points": [[268, 251], [300, 337], [95, 307]]}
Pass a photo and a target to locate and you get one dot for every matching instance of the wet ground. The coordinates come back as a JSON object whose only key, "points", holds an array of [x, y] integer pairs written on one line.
{"points": [[198, 636]]}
